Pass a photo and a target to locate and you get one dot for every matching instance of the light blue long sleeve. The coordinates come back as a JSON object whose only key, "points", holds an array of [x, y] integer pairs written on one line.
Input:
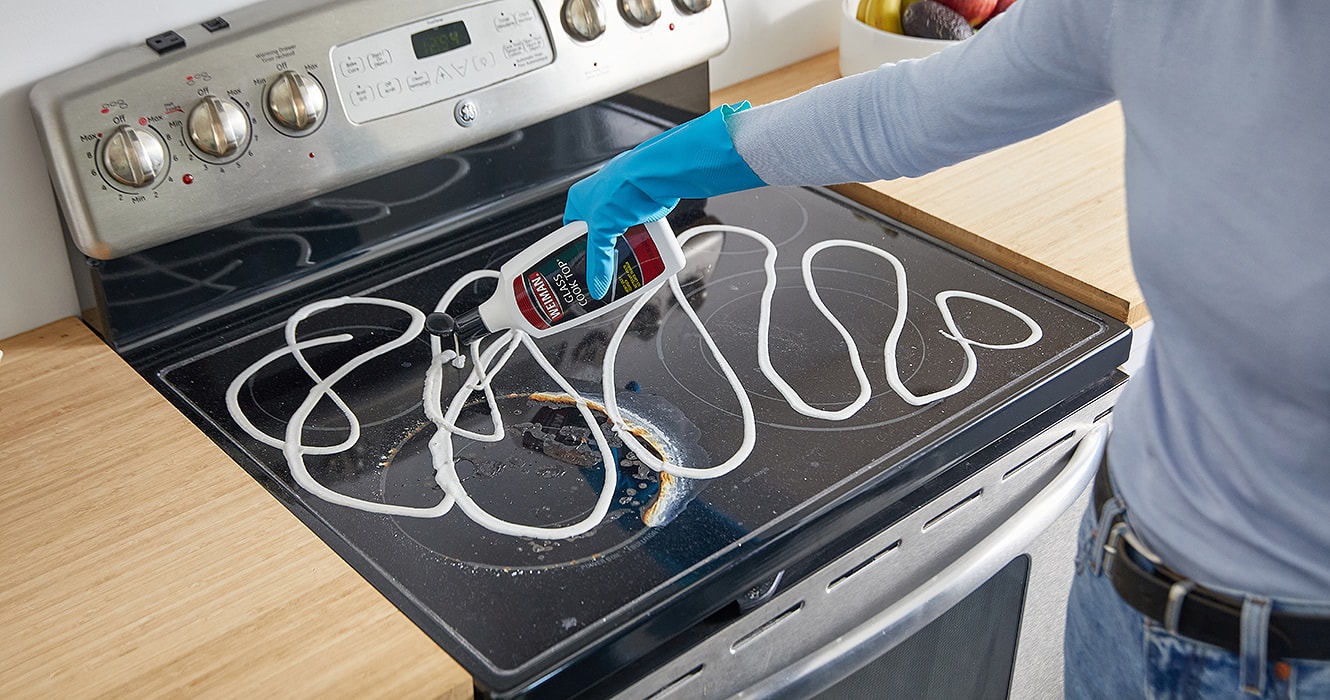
{"points": [[1222, 441]]}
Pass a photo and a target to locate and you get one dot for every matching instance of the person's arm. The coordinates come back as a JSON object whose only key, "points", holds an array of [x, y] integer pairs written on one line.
{"points": [[1036, 66]]}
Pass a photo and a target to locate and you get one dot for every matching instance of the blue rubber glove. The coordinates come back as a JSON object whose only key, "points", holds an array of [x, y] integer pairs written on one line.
{"points": [[693, 160]]}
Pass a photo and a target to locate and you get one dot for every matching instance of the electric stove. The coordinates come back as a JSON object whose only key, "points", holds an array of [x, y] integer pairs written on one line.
{"points": [[200, 311]]}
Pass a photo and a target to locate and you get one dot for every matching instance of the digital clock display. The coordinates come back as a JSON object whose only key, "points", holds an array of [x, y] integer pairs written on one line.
{"points": [[437, 40]]}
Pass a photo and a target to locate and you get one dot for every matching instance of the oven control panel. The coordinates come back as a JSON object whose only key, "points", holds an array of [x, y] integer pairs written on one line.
{"points": [[272, 104], [439, 58]]}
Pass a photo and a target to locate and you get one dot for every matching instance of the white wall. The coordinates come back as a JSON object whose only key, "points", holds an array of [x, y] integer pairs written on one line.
{"points": [[41, 37], [38, 38], [768, 34]]}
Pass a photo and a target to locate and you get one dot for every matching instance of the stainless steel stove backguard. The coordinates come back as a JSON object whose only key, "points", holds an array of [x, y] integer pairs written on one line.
{"points": [[294, 98]]}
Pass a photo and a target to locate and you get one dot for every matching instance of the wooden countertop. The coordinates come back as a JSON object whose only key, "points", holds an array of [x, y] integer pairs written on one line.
{"points": [[138, 559]]}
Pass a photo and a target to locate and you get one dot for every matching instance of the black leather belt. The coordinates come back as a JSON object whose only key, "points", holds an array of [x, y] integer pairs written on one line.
{"points": [[1203, 615]]}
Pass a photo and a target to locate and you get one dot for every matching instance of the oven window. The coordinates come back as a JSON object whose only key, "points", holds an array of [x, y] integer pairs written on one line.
{"points": [[969, 652]]}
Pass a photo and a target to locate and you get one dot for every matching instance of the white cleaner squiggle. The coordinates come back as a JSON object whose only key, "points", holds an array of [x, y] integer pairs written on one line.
{"points": [[485, 365], [489, 356], [764, 348], [233, 399], [292, 446]]}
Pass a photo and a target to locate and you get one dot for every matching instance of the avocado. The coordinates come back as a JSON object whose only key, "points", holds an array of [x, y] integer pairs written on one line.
{"points": [[929, 19]]}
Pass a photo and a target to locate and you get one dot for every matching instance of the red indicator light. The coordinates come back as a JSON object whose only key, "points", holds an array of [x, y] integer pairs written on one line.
{"points": [[311, 155], [671, 26], [143, 121], [99, 134], [187, 179], [105, 110], [189, 78]]}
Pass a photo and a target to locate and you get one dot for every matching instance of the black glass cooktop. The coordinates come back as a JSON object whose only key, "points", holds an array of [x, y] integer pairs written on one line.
{"points": [[515, 610]]}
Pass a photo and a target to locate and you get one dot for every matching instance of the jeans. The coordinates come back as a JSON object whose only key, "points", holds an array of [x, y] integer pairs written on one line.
{"points": [[1113, 652]]}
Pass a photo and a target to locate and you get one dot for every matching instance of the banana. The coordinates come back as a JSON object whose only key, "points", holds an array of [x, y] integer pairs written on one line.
{"points": [[884, 15], [861, 13]]}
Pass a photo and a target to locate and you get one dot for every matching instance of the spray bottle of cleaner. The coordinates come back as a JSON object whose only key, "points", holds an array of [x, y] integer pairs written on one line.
{"points": [[542, 290]]}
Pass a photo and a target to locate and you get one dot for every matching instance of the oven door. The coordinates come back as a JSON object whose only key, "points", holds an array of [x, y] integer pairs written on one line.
{"points": [[964, 598]]}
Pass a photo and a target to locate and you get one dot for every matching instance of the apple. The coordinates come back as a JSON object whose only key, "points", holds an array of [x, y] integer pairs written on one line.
{"points": [[974, 11], [1000, 6]]}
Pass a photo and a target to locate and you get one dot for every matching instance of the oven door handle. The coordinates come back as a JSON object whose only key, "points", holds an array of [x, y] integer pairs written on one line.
{"points": [[921, 606]]}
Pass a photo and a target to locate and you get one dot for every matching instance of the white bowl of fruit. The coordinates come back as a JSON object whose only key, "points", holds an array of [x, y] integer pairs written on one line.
{"points": [[874, 32]]}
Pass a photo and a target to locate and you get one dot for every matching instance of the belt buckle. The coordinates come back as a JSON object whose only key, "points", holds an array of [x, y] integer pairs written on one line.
{"points": [[1122, 542], [1120, 539], [1107, 533], [1111, 547], [1130, 538]]}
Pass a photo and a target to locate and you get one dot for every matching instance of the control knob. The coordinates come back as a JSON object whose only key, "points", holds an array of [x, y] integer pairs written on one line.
{"points": [[639, 13], [218, 127], [134, 156], [692, 6], [584, 19], [296, 101]]}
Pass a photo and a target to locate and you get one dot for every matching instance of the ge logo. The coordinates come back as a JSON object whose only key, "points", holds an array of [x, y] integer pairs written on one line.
{"points": [[466, 112]]}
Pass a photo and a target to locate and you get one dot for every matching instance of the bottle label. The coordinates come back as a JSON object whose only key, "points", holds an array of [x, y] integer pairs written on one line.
{"points": [[553, 290]]}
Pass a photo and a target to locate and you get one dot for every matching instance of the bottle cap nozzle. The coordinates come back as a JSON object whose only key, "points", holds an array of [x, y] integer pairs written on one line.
{"points": [[440, 324], [464, 328]]}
